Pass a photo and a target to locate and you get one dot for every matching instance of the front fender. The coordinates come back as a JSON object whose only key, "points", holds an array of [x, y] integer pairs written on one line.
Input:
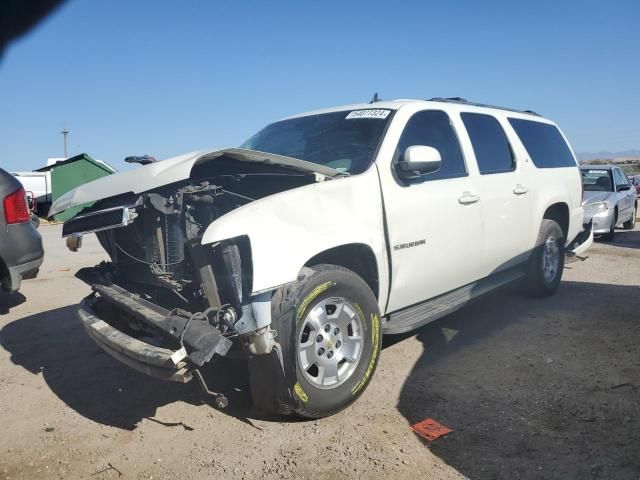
{"points": [[287, 229]]}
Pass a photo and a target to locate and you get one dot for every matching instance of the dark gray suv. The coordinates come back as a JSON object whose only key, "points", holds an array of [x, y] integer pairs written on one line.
{"points": [[21, 252]]}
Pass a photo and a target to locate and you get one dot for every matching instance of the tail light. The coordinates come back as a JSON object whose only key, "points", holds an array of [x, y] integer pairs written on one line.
{"points": [[16, 208]]}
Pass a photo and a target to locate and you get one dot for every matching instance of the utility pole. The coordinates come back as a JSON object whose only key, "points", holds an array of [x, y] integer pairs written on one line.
{"points": [[65, 132]]}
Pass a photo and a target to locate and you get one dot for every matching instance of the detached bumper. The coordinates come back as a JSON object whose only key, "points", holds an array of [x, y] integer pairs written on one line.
{"points": [[148, 359], [582, 242], [121, 309]]}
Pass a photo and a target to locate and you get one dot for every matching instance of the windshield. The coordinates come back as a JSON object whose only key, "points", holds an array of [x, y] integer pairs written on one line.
{"points": [[597, 180], [346, 140]]}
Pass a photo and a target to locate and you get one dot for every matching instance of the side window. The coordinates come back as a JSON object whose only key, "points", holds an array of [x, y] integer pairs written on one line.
{"points": [[490, 143], [620, 178], [433, 128], [544, 143], [625, 179]]}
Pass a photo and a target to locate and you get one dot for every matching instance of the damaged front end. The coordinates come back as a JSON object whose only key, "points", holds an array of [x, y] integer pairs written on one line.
{"points": [[166, 304]]}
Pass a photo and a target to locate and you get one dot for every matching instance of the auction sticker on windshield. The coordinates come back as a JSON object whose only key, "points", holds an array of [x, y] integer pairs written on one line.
{"points": [[372, 113]]}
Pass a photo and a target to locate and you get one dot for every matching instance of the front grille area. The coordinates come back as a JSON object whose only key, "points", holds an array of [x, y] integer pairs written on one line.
{"points": [[97, 221]]}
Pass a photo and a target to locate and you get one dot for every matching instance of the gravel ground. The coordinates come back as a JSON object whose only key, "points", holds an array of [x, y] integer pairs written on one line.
{"points": [[532, 389]]}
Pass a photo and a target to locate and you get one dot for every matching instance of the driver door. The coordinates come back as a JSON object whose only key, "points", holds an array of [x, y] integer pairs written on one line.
{"points": [[434, 222], [625, 202]]}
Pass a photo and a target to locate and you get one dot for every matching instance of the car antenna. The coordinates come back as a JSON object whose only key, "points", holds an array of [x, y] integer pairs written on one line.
{"points": [[375, 98]]}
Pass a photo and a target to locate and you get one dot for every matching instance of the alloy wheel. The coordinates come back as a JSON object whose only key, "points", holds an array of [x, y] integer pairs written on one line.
{"points": [[550, 259], [330, 343]]}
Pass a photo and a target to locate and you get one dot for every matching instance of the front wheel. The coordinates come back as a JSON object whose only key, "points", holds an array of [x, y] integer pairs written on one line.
{"points": [[631, 223], [610, 235], [546, 263], [329, 335]]}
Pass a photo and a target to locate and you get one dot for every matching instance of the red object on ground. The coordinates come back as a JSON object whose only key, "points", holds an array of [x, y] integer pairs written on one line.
{"points": [[430, 429]]}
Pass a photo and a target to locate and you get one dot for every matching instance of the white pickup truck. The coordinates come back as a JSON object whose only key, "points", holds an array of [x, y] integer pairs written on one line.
{"points": [[319, 235]]}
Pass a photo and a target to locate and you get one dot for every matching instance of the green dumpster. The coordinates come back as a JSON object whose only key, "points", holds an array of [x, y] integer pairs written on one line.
{"points": [[71, 173]]}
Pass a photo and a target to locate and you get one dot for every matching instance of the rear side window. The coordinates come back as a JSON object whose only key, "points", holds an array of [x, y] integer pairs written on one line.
{"points": [[544, 143], [490, 144], [433, 128]]}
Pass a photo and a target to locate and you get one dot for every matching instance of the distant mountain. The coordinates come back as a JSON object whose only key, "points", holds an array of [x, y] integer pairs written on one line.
{"points": [[607, 155]]}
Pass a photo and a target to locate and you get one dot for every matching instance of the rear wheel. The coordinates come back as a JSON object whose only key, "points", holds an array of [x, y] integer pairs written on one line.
{"points": [[329, 335], [631, 223], [544, 270]]}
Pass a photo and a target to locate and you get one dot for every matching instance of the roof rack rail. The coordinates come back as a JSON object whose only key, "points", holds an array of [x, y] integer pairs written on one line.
{"points": [[467, 102]]}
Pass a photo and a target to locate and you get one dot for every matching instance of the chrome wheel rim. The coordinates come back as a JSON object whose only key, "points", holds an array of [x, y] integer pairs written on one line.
{"points": [[550, 259], [330, 343]]}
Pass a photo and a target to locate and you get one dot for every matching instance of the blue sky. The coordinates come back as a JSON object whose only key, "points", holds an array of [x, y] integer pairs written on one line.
{"points": [[167, 77]]}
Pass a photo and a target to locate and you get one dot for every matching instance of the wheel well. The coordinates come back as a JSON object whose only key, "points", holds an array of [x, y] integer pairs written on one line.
{"points": [[358, 258], [560, 213]]}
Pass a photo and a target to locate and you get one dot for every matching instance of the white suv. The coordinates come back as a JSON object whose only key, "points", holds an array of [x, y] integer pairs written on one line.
{"points": [[323, 232]]}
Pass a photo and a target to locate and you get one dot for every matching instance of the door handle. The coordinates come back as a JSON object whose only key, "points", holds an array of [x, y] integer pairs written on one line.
{"points": [[468, 198], [520, 189]]}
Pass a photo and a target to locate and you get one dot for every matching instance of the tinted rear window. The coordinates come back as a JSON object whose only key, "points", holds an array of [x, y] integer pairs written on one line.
{"points": [[544, 143], [490, 144]]}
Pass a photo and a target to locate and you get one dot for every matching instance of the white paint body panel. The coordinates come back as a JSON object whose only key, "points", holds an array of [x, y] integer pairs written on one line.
{"points": [[289, 228], [428, 211]]}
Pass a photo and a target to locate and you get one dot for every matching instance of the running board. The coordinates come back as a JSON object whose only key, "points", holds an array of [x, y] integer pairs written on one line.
{"points": [[403, 321]]}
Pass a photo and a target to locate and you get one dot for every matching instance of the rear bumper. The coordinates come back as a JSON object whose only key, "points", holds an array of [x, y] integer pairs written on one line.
{"points": [[25, 271], [22, 253]]}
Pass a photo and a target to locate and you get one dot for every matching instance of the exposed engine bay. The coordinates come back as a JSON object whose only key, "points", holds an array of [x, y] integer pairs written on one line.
{"points": [[162, 286]]}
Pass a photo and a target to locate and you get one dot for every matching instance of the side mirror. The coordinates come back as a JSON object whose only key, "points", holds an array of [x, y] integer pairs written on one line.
{"points": [[418, 160], [622, 188]]}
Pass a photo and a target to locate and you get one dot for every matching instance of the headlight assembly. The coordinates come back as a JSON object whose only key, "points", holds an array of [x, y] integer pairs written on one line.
{"points": [[596, 207]]}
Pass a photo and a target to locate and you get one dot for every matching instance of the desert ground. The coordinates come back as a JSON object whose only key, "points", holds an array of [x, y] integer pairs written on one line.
{"points": [[532, 388]]}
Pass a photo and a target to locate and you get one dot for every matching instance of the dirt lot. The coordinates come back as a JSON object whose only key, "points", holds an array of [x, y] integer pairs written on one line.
{"points": [[532, 388]]}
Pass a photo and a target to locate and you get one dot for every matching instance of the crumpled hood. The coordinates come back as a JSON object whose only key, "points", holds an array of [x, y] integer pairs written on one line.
{"points": [[172, 170], [591, 197]]}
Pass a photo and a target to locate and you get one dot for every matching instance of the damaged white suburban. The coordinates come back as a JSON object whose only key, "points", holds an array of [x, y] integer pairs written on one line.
{"points": [[318, 235]]}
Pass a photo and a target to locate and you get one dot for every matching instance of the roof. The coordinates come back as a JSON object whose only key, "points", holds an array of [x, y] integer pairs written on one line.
{"points": [[83, 156], [436, 101]]}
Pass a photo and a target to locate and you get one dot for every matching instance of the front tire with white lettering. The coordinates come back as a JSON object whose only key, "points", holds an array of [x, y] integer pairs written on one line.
{"points": [[329, 334]]}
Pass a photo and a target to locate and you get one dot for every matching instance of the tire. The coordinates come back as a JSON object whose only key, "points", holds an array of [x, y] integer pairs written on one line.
{"points": [[631, 223], [310, 346], [612, 230], [546, 263]]}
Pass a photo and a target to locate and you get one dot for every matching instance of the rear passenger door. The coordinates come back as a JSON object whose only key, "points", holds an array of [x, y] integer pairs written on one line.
{"points": [[504, 193]]}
